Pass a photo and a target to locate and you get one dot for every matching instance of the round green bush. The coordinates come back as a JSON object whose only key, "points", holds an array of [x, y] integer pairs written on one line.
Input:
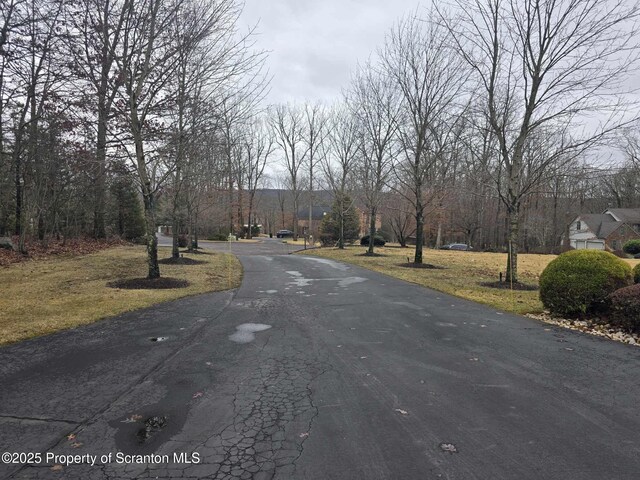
{"points": [[632, 247], [624, 308], [579, 282], [636, 274]]}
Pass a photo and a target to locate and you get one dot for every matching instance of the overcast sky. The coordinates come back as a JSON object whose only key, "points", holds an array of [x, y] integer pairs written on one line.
{"points": [[316, 44]]}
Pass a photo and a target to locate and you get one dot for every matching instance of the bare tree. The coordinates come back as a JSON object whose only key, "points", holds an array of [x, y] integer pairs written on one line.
{"points": [[398, 211], [315, 136], [35, 72], [258, 148], [339, 165], [206, 60], [430, 80], [545, 66], [13, 17], [374, 102], [282, 190], [288, 124], [94, 37], [149, 58]]}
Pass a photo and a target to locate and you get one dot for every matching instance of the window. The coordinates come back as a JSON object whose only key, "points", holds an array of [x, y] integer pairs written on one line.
{"points": [[579, 225]]}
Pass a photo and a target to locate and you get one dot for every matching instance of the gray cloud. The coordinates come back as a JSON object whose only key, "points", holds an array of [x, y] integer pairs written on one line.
{"points": [[316, 44]]}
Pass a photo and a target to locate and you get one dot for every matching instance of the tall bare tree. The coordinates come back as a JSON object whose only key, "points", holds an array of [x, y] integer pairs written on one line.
{"points": [[288, 124], [315, 136], [35, 71], [340, 163], [546, 66], [258, 148], [430, 80], [148, 59], [208, 59], [94, 39], [373, 100]]}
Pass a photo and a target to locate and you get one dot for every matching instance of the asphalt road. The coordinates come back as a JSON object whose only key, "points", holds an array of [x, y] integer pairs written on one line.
{"points": [[318, 370]]}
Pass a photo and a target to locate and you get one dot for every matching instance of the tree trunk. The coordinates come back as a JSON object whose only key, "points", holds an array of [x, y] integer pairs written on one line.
{"points": [[148, 198], [419, 226], [341, 237], [295, 215], [41, 227], [372, 230], [195, 233], [439, 236], [310, 232], [18, 186], [152, 240], [231, 183], [249, 214], [512, 245], [175, 237], [17, 161], [99, 185], [175, 217], [240, 208]]}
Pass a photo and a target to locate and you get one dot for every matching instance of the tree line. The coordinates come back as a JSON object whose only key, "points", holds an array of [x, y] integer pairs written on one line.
{"points": [[484, 119], [495, 106]]}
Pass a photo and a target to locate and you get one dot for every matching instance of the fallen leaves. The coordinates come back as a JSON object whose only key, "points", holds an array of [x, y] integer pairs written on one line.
{"points": [[43, 250]]}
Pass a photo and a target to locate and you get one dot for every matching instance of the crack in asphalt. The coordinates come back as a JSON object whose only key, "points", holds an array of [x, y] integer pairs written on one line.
{"points": [[40, 419], [272, 416], [79, 426], [268, 406]]}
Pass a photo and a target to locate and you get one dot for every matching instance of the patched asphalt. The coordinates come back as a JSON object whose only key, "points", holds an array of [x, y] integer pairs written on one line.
{"points": [[315, 369]]}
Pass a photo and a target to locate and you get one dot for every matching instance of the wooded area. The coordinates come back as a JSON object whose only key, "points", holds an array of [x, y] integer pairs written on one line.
{"points": [[494, 123]]}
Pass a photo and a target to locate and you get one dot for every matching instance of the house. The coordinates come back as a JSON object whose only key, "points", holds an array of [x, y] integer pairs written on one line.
{"points": [[317, 214], [609, 230]]}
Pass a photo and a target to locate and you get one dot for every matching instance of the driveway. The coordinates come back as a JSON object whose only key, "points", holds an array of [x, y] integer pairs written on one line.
{"points": [[318, 370], [259, 246]]}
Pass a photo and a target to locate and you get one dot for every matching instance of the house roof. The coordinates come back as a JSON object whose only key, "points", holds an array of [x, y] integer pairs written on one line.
{"points": [[627, 215], [603, 224], [607, 228], [595, 221]]}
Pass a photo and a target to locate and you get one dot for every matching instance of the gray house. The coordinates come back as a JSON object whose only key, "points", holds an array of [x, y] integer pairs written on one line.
{"points": [[609, 230]]}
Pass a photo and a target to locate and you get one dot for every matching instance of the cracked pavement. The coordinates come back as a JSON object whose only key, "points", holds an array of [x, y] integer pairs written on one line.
{"points": [[346, 374]]}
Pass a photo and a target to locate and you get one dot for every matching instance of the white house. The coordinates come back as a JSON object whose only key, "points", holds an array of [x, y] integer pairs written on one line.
{"points": [[609, 230]]}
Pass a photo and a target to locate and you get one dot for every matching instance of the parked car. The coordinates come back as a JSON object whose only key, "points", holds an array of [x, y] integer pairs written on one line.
{"points": [[284, 233], [378, 241], [456, 246]]}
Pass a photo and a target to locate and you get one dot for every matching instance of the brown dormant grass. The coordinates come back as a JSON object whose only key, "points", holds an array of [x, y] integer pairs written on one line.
{"points": [[41, 297], [462, 275]]}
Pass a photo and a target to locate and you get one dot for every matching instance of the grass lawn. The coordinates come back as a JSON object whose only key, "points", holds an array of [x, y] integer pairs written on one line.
{"points": [[44, 296], [462, 274], [300, 241]]}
